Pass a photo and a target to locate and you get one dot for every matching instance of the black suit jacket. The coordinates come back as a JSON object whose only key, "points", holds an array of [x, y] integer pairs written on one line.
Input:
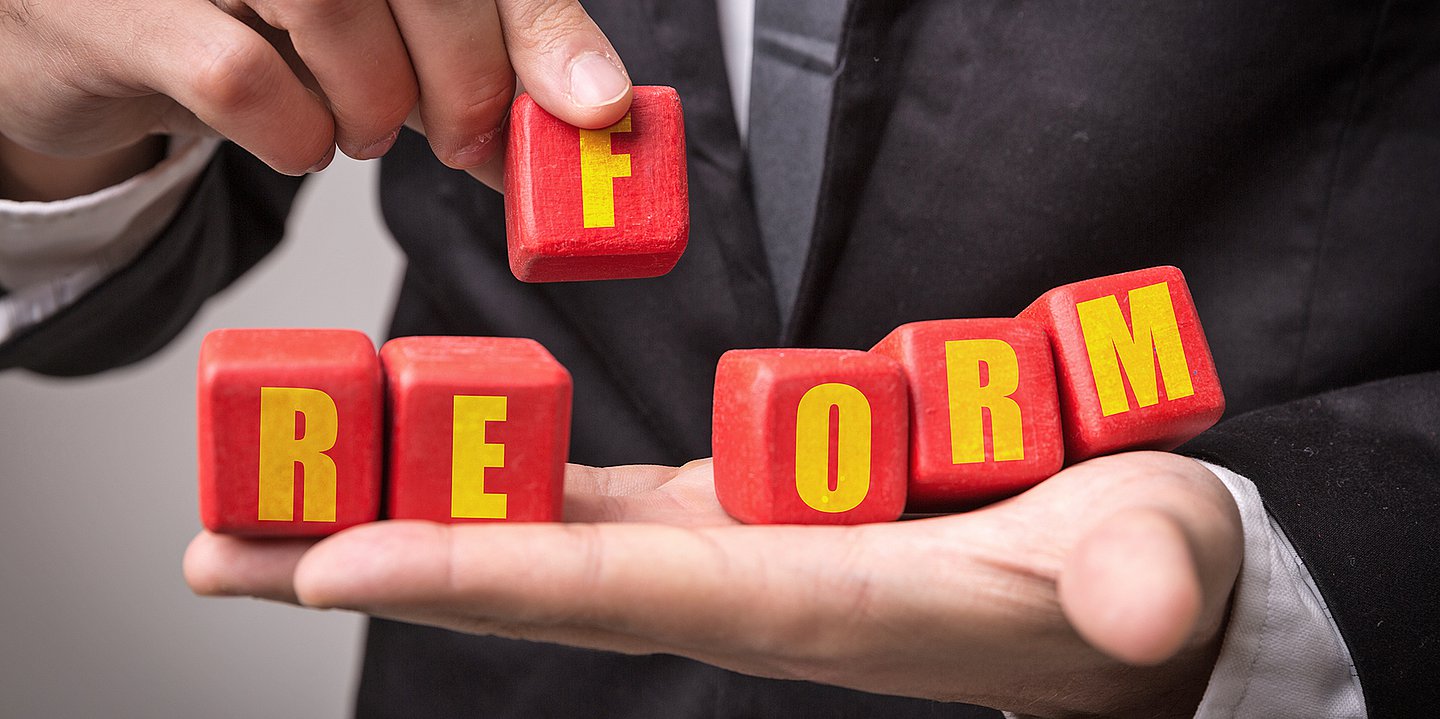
{"points": [[1285, 155]]}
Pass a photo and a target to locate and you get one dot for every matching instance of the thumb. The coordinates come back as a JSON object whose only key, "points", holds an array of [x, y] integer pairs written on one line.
{"points": [[1133, 588], [565, 62]]}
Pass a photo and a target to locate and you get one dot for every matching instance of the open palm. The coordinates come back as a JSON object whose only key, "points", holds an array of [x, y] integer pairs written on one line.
{"points": [[1102, 590]]}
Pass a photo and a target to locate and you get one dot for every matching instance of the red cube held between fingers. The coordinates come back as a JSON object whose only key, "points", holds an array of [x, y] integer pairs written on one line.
{"points": [[984, 416], [479, 429], [1132, 363], [290, 426], [810, 436], [599, 204]]}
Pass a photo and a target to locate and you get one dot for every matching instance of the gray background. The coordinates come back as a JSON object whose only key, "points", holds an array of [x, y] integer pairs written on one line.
{"points": [[98, 500]]}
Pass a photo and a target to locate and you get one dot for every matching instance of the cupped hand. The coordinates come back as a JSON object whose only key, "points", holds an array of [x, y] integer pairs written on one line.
{"points": [[1103, 590], [289, 80]]}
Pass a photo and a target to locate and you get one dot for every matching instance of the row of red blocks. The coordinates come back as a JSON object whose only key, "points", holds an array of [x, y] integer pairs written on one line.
{"points": [[293, 423], [943, 415], [949, 415]]}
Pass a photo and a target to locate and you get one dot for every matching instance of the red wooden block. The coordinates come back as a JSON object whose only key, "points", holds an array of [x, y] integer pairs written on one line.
{"points": [[597, 204], [1131, 361], [289, 431], [479, 429], [984, 416], [810, 436]]}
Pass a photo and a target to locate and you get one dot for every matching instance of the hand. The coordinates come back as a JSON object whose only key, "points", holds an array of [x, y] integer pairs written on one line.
{"points": [[1103, 590], [288, 80]]}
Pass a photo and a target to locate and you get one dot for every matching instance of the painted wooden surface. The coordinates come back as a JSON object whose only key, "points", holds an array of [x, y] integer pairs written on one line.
{"points": [[984, 414], [290, 431], [1131, 360], [599, 204], [810, 436], [479, 429]]}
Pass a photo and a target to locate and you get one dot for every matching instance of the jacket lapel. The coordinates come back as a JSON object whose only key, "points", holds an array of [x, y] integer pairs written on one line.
{"points": [[872, 53], [720, 198]]}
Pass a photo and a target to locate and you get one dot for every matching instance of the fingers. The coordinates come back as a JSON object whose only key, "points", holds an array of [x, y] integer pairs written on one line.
{"points": [[227, 565], [675, 589], [375, 63], [1143, 548], [565, 62], [355, 51], [491, 172], [466, 83], [1131, 587], [234, 82], [219, 565]]}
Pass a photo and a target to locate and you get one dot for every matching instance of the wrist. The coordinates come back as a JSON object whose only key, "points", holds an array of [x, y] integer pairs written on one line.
{"points": [[26, 175]]}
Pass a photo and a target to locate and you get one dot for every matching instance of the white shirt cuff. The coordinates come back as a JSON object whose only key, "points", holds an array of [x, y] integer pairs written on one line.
{"points": [[52, 253], [1282, 654]]}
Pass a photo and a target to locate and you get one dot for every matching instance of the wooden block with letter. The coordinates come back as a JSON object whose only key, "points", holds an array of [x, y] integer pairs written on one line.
{"points": [[290, 424], [597, 204], [984, 416], [810, 436], [1132, 364], [479, 429]]}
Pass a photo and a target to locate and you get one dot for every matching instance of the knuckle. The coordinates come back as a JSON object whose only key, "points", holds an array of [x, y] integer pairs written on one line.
{"points": [[234, 74], [481, 106], [470, 117]]}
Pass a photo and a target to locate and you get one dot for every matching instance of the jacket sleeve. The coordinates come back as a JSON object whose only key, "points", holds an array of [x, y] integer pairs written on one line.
{"points": [[1353, 479], [235, 215]]}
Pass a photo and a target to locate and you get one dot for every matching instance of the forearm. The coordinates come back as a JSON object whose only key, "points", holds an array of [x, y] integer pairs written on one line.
{"points": [[29, 176]]}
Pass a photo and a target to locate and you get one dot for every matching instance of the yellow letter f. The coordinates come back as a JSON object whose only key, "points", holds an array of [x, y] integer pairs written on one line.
{"points": [[598, 170]]}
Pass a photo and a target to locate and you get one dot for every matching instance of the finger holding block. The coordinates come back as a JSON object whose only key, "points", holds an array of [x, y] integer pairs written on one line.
{"points": [[599, 204], [289, 430], [810, 436], [984, 416], [479, 429], [1132, 363]]}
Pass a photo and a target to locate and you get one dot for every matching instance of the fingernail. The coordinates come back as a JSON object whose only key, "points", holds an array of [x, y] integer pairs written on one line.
{"points": [[324, 161], [477, 152], [596, 80], [374, 150]]}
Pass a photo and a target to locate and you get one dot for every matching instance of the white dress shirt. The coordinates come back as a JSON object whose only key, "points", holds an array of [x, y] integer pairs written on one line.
{"points": [[1282, 653], [52, 253]]}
